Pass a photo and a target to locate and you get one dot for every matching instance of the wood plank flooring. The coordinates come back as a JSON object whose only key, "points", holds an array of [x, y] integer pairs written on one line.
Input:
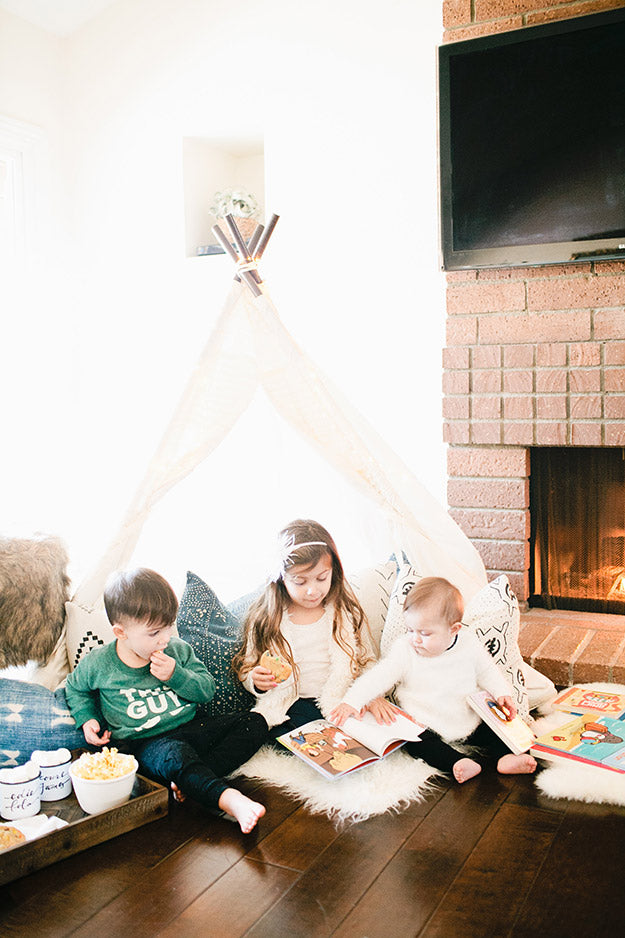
{"points": [[490, 858]]}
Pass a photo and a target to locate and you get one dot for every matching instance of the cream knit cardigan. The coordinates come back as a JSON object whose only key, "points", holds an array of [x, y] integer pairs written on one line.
{"points": [[274, 703]]}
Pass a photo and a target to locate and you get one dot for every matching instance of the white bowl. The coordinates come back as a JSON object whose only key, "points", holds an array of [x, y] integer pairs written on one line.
{"points": [[95, 795]]}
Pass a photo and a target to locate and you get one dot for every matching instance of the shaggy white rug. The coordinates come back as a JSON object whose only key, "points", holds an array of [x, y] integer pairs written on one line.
{"points": [[388, 785], [577, 781]]}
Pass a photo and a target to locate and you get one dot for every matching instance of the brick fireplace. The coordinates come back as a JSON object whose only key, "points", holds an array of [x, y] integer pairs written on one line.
{"points": [[534, 357]]}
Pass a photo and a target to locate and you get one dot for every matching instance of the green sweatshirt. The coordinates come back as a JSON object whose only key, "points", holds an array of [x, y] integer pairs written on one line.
{"points": [[131, 702]]}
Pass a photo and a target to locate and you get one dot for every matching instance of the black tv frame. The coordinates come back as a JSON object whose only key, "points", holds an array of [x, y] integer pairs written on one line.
{"points": [[514, 255]]}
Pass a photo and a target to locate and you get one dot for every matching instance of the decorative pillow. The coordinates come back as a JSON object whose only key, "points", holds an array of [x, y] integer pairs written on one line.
{"points": [[33, 589], [86, 629], [373, 587], [494, 616], [33, 717], [56, 668], [214, 633], [394, 626]]}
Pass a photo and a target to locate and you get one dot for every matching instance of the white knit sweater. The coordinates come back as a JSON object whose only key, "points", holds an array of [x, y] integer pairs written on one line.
{"points": [[434, 690]]}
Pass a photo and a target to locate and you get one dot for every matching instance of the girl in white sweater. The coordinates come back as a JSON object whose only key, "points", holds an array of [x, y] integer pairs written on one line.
{"points": [[309, 617], [433, 668]]}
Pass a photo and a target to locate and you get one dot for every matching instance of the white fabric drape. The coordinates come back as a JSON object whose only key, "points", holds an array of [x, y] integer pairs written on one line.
{"points": [[250, 346]]}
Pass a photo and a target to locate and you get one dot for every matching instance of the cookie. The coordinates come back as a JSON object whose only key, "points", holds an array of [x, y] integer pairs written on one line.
{"points": [[10, 836], [280, 668]]}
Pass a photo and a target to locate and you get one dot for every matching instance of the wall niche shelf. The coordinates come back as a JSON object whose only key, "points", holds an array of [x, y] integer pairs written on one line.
{"points": [[210, 165]]}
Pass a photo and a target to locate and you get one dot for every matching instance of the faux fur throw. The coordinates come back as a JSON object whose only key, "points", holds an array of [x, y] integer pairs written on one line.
{"points": [[388, 785], [34, 588]]}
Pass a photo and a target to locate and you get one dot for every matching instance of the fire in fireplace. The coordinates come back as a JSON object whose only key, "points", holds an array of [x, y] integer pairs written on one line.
{"points": [[577, 510]]}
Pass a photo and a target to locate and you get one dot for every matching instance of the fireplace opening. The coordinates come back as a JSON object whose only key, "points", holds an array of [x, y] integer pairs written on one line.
{"points": [[577, 543]]}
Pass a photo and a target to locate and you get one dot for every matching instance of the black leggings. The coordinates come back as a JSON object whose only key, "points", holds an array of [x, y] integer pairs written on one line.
{"points": [[440, 755], [197, 754]]}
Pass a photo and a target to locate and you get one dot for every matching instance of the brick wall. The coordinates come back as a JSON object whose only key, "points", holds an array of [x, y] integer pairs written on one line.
{"points": [[534, 356]]}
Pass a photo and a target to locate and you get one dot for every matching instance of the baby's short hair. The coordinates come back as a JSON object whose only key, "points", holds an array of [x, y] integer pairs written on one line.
{"points": [[440, 593], [140, 594]]}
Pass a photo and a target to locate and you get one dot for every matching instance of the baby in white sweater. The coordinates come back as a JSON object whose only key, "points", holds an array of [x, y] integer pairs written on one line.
{"points": [[433, 668]]}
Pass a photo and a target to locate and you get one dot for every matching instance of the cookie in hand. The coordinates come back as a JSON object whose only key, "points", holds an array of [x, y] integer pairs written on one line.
{"points": [[280, 668]]}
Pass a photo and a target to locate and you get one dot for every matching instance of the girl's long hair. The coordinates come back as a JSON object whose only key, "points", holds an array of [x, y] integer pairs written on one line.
{"points": [[261, 630]]}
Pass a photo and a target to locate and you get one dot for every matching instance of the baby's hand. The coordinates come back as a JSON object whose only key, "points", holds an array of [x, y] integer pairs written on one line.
{"points": [[383, 710], [162, 666], [342, 712], [91, 731], [262, 678], [507, 706]]}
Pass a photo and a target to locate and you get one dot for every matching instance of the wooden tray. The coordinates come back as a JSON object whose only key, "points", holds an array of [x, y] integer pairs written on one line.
{"points": [[148, 802]]}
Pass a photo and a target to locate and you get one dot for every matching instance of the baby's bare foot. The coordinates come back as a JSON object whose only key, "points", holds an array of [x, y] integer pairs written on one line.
{"points": [[464, 769], [511, 764], [242, 808], [178, 795]]}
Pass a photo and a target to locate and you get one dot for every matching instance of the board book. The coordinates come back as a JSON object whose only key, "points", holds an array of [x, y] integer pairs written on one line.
{"points": [[515, 733], [585, 700], [335, 751], [598, 741]]}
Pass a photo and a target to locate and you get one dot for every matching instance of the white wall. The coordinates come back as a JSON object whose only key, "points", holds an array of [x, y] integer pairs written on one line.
{"points": [[344, 96]]}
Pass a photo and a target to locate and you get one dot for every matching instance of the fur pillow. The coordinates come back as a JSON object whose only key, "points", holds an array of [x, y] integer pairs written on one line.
{"points": [[34, 587]]}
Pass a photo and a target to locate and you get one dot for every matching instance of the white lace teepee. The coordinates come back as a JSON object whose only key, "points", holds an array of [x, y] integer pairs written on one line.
{"points": [[250, 346]]}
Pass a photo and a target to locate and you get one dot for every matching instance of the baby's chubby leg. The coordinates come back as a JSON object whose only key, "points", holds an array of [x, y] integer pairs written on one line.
{"points": [[511, 764], [466, 768]]}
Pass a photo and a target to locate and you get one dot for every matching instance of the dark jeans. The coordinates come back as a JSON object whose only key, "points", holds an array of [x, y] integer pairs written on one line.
{"points": [[302, 711], [440, 755], [197, 754]]}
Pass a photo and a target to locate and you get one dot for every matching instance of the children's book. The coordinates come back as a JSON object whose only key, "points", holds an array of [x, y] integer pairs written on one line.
{"points": [[335, 751], [584, 700], [515, 733], [598, 741]]}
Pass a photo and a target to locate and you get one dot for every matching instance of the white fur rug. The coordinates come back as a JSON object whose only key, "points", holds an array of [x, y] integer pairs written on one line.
{"points": [[389, 785], [577, 781]]}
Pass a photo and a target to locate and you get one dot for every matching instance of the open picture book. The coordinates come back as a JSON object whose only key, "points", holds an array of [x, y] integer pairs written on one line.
{"points": [[515, 732], [335, 751]]}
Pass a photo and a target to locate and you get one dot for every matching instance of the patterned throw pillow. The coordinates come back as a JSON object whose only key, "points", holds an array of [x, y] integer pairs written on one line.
{"points": [[214, 633], [86, 629], [394, 626], [33, 717], [373, 587], [494, 616]]}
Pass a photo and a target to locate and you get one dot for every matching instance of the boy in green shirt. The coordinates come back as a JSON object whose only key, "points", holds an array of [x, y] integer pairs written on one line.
{"points": [[141, 691]]}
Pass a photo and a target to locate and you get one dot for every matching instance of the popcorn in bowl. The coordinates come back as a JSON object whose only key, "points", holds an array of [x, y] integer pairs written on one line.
{"points": [[103, 780]]}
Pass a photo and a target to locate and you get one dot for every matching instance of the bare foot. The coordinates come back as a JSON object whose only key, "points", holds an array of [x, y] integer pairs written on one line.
{"points": [[242, 808], [178, 795], [464, 769], [510, 764]]}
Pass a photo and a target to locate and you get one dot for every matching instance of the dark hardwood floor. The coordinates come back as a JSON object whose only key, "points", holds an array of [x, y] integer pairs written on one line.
{"points": [[492, 857]]}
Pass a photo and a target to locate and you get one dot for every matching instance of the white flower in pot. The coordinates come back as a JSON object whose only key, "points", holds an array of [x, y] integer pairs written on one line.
{"points": [[234, 201]]}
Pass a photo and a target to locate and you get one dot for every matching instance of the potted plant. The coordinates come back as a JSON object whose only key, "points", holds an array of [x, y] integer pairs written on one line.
{"points": [[238, 202]]}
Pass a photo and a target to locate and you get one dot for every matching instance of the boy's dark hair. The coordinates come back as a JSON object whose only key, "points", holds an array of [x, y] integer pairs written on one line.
{"points": [[140, 594]]}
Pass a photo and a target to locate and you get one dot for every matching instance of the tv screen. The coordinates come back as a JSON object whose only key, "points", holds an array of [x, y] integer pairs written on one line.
{"points": [[532, 145]]}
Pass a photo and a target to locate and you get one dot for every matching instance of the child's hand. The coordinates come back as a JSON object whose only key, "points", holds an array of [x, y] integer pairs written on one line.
{"points": [[162, 666], [507, 706], [382, 709], [262, 678], [91, 731], [342, 712]]}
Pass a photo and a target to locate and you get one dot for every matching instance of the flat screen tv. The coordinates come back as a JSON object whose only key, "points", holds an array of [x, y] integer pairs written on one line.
{"points": [[532, 145]]}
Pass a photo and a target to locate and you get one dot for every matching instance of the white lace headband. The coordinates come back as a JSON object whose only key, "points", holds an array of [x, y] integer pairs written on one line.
{"points": [[285, 548]]}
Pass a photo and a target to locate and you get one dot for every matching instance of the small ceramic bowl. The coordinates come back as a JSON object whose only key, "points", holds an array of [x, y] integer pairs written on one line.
{"points": [[95, 795]]}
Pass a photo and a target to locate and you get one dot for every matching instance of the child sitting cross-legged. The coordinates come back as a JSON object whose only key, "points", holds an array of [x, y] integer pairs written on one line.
{"points": [[141, 692], [433, 668]]}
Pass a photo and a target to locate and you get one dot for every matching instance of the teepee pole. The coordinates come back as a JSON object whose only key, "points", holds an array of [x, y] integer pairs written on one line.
{"points": [[267, 233]]}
